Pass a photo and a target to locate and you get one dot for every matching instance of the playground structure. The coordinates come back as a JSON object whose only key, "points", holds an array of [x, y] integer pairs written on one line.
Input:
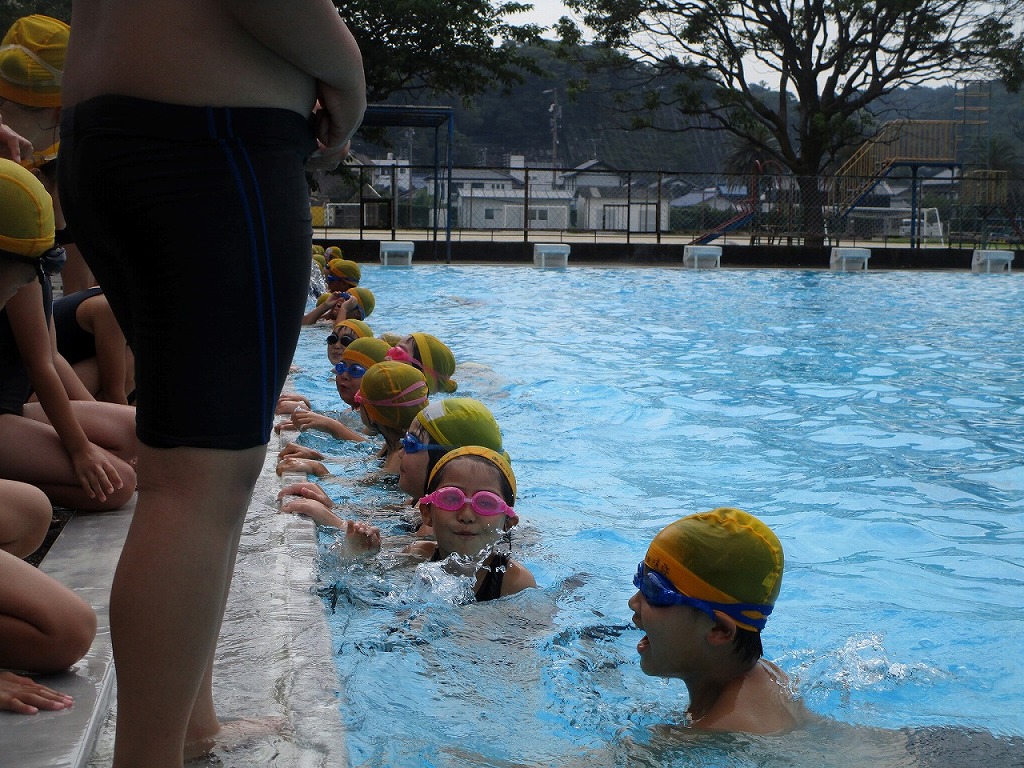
{"points": [[979, 197]]}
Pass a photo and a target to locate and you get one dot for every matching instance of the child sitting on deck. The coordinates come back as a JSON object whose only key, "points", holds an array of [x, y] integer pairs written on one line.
{"points": [[44, 626]]}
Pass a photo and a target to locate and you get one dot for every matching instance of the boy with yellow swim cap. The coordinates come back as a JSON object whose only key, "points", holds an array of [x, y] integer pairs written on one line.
{"points": [[705, 590]]}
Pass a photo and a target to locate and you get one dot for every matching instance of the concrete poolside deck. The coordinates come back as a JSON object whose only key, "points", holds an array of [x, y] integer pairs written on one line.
{"points": [[274, 657]]}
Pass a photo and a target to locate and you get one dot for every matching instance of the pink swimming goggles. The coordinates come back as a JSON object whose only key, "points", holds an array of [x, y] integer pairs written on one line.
{"points": [[401, 355], [483, 502]]}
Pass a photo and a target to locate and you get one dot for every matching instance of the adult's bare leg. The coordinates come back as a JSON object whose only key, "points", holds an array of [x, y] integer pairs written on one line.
{"points": [[170, 589]]}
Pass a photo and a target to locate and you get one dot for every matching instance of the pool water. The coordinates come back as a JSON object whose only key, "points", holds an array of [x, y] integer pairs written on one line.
{"points": [[874, 420]]}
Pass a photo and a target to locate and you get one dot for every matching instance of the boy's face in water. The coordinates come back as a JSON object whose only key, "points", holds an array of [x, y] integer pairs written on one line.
{"points": [[674, 636]]}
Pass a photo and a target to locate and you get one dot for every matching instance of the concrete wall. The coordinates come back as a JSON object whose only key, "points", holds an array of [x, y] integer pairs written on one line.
{"points": [[736, 256]]}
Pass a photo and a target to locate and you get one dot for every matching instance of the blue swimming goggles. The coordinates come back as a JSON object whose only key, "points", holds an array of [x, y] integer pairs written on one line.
{"points": [[658, 591], [355, 370], [413, 445]]}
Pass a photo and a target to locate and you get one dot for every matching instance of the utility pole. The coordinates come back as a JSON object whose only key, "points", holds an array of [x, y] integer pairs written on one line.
{"points": [[555, 113]]}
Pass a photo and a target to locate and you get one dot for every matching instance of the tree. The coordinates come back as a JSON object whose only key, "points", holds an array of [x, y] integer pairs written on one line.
{"points": [[12, 10], [831, 59], [458, 48]]}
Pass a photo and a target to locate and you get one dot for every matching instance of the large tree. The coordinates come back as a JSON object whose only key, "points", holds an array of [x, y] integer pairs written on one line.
{"points": [[460, 48], [794, 79]]}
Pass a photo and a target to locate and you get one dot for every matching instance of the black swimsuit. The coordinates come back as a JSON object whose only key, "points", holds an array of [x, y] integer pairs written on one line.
{"points": [[496, 566], [73, 342]]}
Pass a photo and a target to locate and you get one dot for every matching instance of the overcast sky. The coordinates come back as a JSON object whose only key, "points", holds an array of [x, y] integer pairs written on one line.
{"points": [[545, 13]]}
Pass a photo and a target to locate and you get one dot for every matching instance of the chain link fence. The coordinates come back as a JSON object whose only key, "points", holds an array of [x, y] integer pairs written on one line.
{"points": [[592, 203]]}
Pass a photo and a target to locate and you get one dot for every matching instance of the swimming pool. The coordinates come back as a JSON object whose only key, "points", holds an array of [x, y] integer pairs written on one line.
{"points": [[874, 420]]}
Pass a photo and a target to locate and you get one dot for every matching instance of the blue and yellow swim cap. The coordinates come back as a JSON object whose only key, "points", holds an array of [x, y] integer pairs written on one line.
{"points": [[722, 556]]}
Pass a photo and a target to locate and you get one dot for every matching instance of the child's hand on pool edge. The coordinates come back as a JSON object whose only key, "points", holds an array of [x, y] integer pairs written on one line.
{"points": [[361, 537], [307, 490], [314, 510], [296, 451], [287, 402], [308, 466]]}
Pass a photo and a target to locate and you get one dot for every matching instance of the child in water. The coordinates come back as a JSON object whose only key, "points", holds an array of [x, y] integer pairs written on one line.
{"points": [[706, 588], [469, 506], [430, 355]]}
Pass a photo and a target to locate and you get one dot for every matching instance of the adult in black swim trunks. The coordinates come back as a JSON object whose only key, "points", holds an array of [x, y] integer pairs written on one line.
{"points": [[192, 137]]}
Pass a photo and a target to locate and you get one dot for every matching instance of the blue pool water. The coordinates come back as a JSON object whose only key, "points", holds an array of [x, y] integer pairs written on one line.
{"points": [[874, 420]]}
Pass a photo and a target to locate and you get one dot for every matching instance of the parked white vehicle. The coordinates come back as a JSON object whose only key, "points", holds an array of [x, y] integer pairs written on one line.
{"points": [[929, 225]]}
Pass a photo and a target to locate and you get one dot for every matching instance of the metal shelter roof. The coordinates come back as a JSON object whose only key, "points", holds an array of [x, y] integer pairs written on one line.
{"points": [[413, 116]]}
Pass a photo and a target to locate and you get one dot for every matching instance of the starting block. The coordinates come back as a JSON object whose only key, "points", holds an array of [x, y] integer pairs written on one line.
{"points": [[551, 255], [396, 253], [849, 259]]}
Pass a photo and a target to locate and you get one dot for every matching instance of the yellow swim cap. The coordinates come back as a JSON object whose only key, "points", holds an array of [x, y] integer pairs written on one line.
{"points": [[461, 421], [347, 270], [493, 457], [438, 362], [26, 212], [722, 556], [365, 299], [365, 351], [32, 61], [392, 393], [358, 327]]}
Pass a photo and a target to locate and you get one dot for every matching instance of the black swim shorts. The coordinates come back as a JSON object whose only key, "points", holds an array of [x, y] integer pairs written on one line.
{"points": [[196, 223]]}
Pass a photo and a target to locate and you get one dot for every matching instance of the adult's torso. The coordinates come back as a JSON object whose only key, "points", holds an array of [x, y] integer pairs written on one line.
{"points": [[192, 52]]}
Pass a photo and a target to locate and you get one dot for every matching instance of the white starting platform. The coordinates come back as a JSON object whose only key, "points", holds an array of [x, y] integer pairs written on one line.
{"points": [[396, 253], [551, 254], [991, 261], [702, 256], [849, 259]]}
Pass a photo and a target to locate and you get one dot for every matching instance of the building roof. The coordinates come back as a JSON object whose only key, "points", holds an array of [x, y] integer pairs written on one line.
{"points": [[606, 193], [479, 174], [591, 166]]}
